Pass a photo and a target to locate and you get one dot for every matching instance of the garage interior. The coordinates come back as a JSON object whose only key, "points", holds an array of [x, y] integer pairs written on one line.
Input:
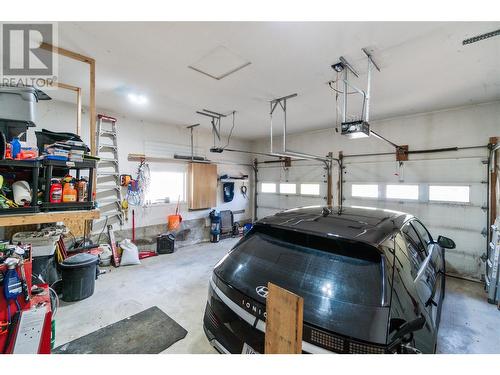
{"points": [[160, 144]]}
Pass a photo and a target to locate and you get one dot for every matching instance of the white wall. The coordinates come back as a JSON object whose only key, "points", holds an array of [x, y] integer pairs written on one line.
{"points": [[133, 136], [465, 126]]}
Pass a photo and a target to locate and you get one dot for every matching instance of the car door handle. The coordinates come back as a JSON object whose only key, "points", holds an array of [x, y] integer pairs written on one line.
{"points": [[431, 301]]}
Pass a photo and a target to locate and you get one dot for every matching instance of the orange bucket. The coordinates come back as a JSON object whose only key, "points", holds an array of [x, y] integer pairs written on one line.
{"points": [[174, 221]]}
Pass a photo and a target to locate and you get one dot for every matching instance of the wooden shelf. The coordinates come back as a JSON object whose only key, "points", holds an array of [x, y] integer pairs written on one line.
{"points": [[48, 217]]}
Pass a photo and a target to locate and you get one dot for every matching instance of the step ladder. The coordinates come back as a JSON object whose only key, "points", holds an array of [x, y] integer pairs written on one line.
{"points": [[108, 190], [493, 264]]}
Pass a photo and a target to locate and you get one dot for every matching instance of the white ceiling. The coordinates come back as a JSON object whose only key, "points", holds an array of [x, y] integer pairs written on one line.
{"points": [[424, 67]]}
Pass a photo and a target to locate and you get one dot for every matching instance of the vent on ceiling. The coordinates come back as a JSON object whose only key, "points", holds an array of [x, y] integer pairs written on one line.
{"points": [[219, 63]]}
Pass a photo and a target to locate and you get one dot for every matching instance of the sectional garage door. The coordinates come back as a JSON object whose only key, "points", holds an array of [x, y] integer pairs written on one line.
{"points": [[440, 185]]}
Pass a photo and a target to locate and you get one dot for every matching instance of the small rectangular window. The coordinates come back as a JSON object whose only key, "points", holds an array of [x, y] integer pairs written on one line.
{"points": [[309, 189], [167, 186], [268, 187], [449, 193], [402, 192], [364, 191], [286, 188]]}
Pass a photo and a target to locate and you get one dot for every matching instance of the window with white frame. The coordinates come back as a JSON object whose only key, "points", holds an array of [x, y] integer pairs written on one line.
{"points": [[364, 190], [442, 193], [288, 188], [167, 186], [400, 191], [309, 189], [268, 187]]}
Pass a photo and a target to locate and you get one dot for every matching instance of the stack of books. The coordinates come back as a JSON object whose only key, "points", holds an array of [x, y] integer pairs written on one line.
{"points": [[66, 150]]}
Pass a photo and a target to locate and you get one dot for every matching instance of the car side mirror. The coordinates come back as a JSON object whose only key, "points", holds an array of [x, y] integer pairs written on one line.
{"points": [[446, 243]]}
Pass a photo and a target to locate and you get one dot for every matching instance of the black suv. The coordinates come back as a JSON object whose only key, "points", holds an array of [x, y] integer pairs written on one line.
{"points": [[373, 281]]}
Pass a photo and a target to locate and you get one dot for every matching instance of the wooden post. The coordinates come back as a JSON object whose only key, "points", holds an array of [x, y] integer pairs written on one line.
{"points": [[93, 113], [284, 321], [79, 111]]}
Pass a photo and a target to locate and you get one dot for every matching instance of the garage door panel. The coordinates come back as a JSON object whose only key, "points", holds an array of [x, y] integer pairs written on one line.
{"points": [[304, 172], [470, 170], [461, 222]]}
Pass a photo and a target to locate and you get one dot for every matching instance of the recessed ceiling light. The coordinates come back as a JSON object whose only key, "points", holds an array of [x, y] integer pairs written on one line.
{"points": [[137, 99]]}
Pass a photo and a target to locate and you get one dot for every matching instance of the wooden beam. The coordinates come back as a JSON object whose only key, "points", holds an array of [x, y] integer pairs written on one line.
{"points": [[66, 86], [48, 217], [67, 53], [284, 321], [92, 111], [402, 153]]}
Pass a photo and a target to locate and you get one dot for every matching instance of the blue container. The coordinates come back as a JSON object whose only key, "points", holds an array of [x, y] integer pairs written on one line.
{"points": [[16, 147], [246, 228]]}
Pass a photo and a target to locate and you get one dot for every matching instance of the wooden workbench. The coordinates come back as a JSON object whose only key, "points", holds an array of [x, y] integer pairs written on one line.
{"points": [[74, 220]]}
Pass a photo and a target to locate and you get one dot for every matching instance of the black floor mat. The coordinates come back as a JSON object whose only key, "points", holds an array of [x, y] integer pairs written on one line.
{"points": [[149, 332]]}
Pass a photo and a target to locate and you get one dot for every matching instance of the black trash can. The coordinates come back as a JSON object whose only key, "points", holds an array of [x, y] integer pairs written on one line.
{"points": [[78, 276]]}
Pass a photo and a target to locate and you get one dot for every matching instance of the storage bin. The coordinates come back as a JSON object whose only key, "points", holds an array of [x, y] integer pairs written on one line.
{"points": [[78, 276], [19, 103], [42, 243]]}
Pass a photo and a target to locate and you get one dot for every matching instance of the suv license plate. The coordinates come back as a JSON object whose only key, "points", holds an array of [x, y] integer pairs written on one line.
{"points": [[247, 349]]}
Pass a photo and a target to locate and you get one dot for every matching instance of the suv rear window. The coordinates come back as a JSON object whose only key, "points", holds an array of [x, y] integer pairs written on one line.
{"points": [[321, 270]]}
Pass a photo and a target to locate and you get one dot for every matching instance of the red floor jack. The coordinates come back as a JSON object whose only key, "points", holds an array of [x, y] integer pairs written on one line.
{"points": [[25, 318], [143, 254]]}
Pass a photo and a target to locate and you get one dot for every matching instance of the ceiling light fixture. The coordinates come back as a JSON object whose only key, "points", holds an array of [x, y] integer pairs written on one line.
{"points": [[137, 98]]}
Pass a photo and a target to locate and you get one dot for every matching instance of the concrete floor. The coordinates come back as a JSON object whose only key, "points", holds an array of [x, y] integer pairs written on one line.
{"points": [[178, 283], [469, 324]]}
